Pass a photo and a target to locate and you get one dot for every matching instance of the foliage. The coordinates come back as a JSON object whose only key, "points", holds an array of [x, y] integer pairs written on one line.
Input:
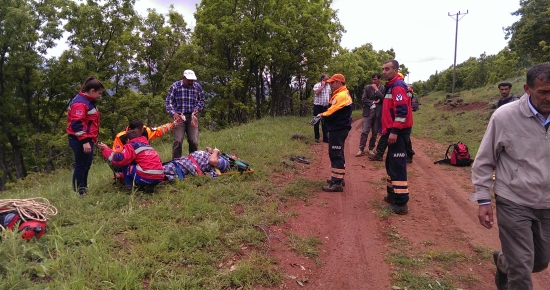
{"points": [[529, 36], [473, 73], [259, 54]]}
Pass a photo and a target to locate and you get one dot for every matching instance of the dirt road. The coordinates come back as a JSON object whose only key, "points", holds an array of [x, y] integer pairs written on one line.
{"points": [[356, 239]]}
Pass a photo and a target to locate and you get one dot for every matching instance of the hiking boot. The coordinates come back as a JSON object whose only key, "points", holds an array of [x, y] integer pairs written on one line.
{"points": [[501, 278], [409, 159], [330, 180], [397, 209], [333, 187], [388, 199], [376, 157], [360, 153]]}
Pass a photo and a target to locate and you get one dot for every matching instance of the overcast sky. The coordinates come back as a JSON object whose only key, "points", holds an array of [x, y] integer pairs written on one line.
{"points": [[420, 31]]}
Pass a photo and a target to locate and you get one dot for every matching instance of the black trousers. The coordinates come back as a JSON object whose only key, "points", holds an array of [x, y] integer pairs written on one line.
{"points": [[318, 109], [396, 168], [383, 144], [336, 153]]}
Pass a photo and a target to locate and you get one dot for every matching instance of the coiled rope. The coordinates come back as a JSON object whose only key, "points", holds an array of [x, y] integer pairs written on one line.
{"points": [[37, 208]]}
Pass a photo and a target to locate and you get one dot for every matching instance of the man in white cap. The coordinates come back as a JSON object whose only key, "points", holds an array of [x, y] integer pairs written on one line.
{"points": [[183, 102]]}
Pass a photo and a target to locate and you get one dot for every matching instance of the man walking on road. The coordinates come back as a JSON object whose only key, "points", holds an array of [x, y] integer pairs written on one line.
{"points": [[338, 121], [320, 105], [372, 104], [516, 145], [397, 122]]}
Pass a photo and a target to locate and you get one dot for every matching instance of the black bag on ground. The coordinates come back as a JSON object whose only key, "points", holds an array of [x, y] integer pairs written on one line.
{"points": [[459, 156]]}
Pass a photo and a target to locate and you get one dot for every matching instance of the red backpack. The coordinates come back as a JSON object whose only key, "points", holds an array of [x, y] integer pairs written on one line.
{"points": [[459, 156]]}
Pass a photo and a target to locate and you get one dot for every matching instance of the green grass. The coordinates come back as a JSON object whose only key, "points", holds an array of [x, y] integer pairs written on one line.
{"points": [[199, 233]]}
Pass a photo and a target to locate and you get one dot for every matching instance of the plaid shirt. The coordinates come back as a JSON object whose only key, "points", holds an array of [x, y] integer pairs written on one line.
{"points": [[181, 99], [323, 97], [188, 167]]}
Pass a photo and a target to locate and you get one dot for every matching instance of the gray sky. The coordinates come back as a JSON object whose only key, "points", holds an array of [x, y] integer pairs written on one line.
{"points": [[420, 31]]}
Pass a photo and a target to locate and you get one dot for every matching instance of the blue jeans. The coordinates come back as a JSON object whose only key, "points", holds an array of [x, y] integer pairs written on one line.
{"points": [[82, 164]]}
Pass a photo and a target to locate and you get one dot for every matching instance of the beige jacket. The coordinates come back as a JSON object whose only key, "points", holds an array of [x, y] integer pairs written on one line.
{"points": [[518, 146]]}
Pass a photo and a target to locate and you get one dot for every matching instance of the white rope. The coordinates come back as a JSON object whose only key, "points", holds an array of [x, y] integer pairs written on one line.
{"points": [[37, 208]]}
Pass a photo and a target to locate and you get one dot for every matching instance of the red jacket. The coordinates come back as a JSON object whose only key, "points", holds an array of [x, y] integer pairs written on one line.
{"points": [[83, 118], [138, 151], [396, 108], [152, 133]]}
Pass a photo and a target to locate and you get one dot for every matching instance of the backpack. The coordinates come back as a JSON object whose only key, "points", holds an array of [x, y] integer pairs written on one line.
{"points": [[415, 104], [236, 164], [459, 156]]}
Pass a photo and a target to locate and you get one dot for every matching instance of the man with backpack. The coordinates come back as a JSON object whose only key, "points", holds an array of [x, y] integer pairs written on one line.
{"points": [[397, 122], [516, 146]]}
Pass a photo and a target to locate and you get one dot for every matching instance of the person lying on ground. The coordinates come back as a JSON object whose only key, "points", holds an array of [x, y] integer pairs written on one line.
{"points": [[197, 163], [139, 162], [150, 133]]}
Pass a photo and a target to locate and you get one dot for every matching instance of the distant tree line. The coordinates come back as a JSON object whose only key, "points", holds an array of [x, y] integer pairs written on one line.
{"points": [[529, 44]]}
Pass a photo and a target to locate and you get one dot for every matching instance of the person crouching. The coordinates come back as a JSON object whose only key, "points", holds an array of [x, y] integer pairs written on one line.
{"points": [[139, 162]]}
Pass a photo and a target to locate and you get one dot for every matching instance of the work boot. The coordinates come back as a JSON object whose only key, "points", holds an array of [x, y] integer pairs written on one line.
{"points": [[397, 209], [376, 157], [330, 180], [501, 278], [389, 198], [409, 159], [333, 187], [360, 153]]}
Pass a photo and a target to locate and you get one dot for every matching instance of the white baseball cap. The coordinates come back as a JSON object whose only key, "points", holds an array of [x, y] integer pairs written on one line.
{"points": [[190, 75]]}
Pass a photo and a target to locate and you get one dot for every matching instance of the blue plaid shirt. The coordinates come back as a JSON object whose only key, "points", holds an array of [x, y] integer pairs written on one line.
{"points": [[182, 99]]}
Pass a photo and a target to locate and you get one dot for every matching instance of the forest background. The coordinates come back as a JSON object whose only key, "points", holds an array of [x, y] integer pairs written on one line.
{"points": [[255, 59]]}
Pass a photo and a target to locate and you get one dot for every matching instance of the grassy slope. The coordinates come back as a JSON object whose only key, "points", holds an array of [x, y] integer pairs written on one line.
{"points": [[196, 234], [448, 127]]}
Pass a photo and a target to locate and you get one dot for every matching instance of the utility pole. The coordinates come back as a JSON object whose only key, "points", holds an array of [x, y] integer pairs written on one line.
{"points": [[458, 17]]}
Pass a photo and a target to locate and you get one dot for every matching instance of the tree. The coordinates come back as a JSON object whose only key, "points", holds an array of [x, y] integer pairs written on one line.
{"points": [[241, 40], [102, 43], [27, 30], [529, 36]]}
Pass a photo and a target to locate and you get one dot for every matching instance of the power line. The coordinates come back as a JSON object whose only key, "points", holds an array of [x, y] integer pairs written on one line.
{"points": [[458, 17]]}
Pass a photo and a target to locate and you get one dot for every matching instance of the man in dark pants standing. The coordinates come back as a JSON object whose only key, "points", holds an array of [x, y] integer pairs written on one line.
{"points": [[320, 104], [397, 122], [338, 121], [372, 103]]}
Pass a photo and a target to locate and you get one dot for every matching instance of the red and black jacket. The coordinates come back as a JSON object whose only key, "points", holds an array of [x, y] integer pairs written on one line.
{"points": [[396, 109], [83, 118], [139, 152]]}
